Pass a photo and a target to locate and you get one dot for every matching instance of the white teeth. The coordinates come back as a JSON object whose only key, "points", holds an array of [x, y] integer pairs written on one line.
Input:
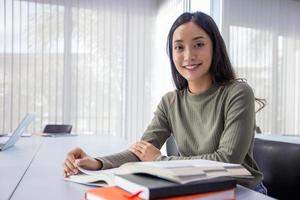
{"points": [[190, 66]]}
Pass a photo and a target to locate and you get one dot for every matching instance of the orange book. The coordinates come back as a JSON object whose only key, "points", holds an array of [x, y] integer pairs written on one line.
{"points": [[116, 193], [113, 193]]}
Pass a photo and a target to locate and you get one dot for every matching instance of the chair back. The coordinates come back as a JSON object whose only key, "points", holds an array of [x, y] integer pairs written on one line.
{"points": [[280, 164], [171, 146], [57, 128]]}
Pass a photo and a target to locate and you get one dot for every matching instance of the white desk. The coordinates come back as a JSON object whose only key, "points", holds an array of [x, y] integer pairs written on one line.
{"points": [[43, 177], [14, 163]]}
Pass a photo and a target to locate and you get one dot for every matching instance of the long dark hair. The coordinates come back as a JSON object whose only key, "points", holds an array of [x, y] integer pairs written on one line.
{"points": [[221, 69]]}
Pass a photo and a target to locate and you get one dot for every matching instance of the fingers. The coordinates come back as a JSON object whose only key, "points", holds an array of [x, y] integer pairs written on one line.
{"points": [[137, 148], [134, 151], [145, 151], [89, 163], [70, 167], [78, 153], [141, 145], [145, 143], [83, 162]]}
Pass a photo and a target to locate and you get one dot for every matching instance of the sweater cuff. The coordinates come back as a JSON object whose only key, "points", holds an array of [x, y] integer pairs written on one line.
{"points": [[105, 163], [161, 158]]}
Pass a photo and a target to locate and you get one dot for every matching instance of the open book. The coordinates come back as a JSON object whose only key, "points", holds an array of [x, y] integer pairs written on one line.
{"points": [[178, 171]]}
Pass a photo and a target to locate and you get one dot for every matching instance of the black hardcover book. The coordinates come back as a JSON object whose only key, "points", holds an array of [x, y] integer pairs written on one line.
{"points": [[154, 187]]}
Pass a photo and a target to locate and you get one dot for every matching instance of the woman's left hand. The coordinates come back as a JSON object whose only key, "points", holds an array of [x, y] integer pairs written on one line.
{"points": [[145, 151]]}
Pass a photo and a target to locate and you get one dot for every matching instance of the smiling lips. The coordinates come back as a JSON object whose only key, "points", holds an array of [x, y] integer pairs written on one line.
{"points": [[191, 67]]}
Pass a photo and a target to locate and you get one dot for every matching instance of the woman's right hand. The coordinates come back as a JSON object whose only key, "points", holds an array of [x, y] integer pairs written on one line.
{"points": [[78, 158]]}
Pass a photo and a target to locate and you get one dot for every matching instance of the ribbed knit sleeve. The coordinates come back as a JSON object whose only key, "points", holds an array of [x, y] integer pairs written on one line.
{"points": [[116, 160], [159, 129], [156, 133]]}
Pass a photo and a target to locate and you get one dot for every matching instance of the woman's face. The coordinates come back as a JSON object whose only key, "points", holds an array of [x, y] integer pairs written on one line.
{"points": [[192, 53]]}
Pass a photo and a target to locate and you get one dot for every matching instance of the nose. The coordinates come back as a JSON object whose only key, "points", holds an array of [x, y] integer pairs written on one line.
{"points": [[189, 55]]}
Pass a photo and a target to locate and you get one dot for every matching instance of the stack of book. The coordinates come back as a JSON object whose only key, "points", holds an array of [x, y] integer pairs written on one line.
{"points": [[164, 179]]}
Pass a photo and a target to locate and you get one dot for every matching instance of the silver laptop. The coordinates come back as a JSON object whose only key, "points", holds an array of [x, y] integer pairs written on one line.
{"points": [[7, 142]]}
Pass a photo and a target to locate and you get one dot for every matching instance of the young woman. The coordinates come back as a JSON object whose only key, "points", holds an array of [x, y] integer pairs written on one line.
{"points": [[211, 114]]}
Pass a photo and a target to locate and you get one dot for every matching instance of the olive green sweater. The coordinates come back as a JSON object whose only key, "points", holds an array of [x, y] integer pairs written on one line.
{"points": [[217, 124]]}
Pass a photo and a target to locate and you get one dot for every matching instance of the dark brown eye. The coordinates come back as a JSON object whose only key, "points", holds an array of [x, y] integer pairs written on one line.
{"points": [[199, 44], [178, 47]]}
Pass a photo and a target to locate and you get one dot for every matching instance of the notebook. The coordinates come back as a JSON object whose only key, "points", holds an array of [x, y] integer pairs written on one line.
{"points": [[6, 142], [151, 187]]}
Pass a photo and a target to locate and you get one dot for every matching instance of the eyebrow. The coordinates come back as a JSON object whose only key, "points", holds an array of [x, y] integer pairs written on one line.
{"points": [[195, 38]]}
